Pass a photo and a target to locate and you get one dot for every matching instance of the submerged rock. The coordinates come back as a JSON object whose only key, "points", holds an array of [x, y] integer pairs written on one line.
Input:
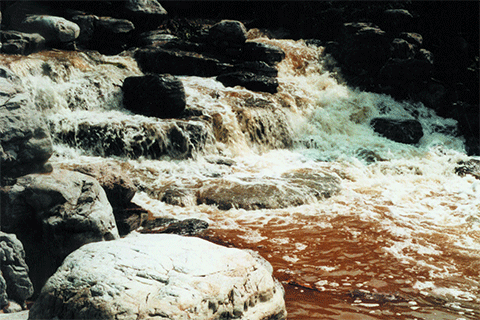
{"points": [[250, 81], [160, 276], [295, 188], [403, 131], [14, 280], [156, 95], [55, 214]]}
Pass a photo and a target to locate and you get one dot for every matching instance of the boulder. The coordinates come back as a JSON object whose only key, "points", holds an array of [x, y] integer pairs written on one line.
{"points": [[403, 131], [160, 276], [227, 33], [86, 23], [54, 214], [118, 186], [14, 279], [111, 35], [146, 7], [401, 71], [396, 20], [258, 51], [294, 189], [53, 29], [402, 49], [156, 95], [187, 227], [413, 38], [154, 38], [250, 81], [25, 143], [15, 42]]}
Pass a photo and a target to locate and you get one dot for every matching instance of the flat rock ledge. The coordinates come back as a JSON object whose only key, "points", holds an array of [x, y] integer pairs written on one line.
{"points": [[161, 276]]}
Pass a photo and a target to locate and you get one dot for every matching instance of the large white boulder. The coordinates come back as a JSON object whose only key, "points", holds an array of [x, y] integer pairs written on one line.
{"points": [[161, 276]]}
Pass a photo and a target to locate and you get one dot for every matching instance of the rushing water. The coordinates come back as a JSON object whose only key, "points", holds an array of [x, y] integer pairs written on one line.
{"points": [[400, 240]]}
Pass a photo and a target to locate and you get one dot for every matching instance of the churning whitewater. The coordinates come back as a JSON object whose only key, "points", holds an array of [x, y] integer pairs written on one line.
{"points": [[355, 225]]}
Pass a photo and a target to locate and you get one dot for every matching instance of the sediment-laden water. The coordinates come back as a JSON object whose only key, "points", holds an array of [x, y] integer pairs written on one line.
{"points": [[355, 225]]}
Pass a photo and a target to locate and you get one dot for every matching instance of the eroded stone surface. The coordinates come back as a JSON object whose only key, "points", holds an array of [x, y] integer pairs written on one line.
{"points": [[160, 276]]}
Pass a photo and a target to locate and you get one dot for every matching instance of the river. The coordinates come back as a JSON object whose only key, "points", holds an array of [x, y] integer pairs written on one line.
{"points": [[395, 233]]}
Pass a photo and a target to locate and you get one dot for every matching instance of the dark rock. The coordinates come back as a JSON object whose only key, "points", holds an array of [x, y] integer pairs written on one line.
{"points": [[401, 49], [257, 67], [403, 131], [161, 96], [187, 227], [364, 49], [155, 38], [25, 143], [178, 62], [424, 54], [471, 167], [53, 215], [258, 51], [14, 270], [111, 36], [396, 20], [86, 23], [250, 81], [3, 292], [53, 29], [227, 33], [15, 42], [413, 38], [401, 71]]}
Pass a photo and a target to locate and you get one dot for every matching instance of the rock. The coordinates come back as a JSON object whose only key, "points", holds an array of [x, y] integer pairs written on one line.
{"points": [[364, 48], [257, 67], [227, 33], [151, 138], [154, 38], [250, 81], [86, 23], [160, 276], [403, 131], [161, 96], [25, 143], [15, 42], [53, 29], [258, 51], [118, 186], [14, 270], [3, 292], [413, 38], [471, 167], [148, 7], [54, 214], [396, 20], [425, 55], [13, 307], [187, 227], [111, 35], [295, 188], [402, 71], [178, 62], [401, 49]]}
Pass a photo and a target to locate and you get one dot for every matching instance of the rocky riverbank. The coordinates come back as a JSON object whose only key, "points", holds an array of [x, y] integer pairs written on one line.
{"points": [[55, 218]]}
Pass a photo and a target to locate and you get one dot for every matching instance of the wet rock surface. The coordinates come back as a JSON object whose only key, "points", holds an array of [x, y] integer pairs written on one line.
{"points": [[54, 214], [165, 276], [25, 143], [15, 282], [156, 95], [296, 188], [403, 131]]}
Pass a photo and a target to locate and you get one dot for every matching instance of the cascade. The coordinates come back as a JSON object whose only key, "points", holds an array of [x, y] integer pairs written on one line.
{"points": [[362, 223]]}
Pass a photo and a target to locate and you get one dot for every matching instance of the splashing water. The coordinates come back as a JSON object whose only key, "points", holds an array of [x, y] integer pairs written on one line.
{"points": [[400, 239]]}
